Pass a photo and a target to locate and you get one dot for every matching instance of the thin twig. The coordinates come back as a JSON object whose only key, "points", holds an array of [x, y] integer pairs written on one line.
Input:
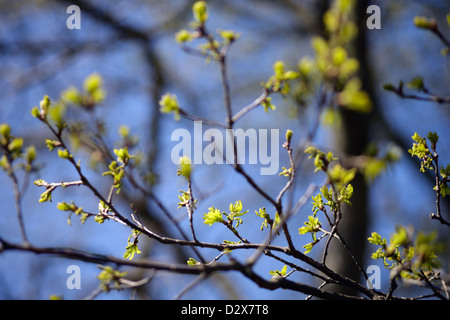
{"points": [[431, 98], [216, 267], [251, 106], [263, 247], [148, 193], [337, 219], [203, 120], [190, 286], [438, 215], [439, 34], [431, 286], [17, 200], [190, 209]]}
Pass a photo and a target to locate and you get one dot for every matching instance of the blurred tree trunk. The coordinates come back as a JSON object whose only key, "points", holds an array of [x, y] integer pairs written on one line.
{"points": [[352, 138]]}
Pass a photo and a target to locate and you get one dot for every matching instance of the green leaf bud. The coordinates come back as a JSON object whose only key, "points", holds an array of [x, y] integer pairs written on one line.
{"points": [[123, 155], [305, 66], [46, 196], [65, 154], [5, 131], [168, 104], [92, 83], [72, 95], [424, 23], [433, 137], [288, 135], [45, 104], [278, 67], [30, 154], [15, 146], [339, 55], [212, 216], [183, 36], [200, 11], [192, 262], [416, 84], [267, 104], [389, 87], [185, 168], [35, 112], [291, 75], [229, 35]]}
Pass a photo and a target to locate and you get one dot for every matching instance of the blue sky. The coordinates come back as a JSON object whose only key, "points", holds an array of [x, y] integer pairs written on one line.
{"points": [[397, 51]]}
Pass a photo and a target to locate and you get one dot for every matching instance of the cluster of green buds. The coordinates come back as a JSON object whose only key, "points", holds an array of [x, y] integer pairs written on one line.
{"points": [[216, 215], [409, 257], [91, 95], [12, 149]]}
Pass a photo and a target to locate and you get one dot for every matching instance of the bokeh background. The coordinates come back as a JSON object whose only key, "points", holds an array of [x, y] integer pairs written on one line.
{"points": [[131, 44]]}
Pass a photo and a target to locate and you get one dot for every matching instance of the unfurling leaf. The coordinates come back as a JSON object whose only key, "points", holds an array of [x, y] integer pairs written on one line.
{"points": [[185, 167], [169, 104], [200, 11], [212, 216]]}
